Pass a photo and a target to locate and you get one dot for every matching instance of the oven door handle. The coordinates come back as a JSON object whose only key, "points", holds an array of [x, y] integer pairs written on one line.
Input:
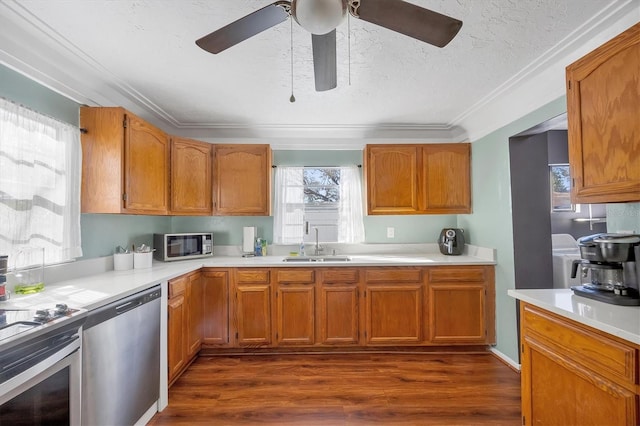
{"points": [[38, 355]]}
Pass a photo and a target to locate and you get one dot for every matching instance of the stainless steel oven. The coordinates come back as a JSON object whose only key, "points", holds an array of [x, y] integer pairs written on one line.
{"points": [[40, 368]]}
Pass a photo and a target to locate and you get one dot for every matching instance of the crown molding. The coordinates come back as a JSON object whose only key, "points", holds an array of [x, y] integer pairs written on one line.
{"points": [[543, 80], [25, 38]]}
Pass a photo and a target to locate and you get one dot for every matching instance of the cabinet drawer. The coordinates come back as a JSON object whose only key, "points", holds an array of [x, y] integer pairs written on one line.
{"points": [[252, 276], [592, 350], [340, 276], [393, 275], [177, 286], [296, 276], [446, 275]]}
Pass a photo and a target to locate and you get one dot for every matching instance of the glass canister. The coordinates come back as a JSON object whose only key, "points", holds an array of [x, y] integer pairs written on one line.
{"points": [[29, 270]]}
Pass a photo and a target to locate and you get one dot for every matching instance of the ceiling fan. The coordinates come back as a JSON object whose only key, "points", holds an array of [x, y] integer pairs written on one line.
{"points": [[321, 17]]}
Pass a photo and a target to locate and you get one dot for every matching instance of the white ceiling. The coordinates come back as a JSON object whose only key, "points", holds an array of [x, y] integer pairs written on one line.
{"points": [[141, 54]]}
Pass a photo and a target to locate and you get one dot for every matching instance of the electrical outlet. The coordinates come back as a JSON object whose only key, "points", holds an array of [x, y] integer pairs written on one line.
{"points": [[391, 232]]}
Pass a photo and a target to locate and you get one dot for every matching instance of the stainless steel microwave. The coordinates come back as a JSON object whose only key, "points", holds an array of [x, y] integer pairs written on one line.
{"points": [[170, 247]]}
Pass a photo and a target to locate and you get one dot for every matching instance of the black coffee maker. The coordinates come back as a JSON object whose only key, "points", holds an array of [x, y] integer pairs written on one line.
{"points": [[612, 262], [451, 241]]}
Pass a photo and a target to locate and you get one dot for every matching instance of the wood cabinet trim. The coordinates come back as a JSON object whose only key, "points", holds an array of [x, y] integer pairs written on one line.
{"points": [[592, 350], [393, 275], [298, 276], [253, 275]]}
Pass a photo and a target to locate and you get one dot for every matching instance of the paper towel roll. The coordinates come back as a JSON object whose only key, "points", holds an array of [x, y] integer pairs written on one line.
{"points": [[248, 238]]}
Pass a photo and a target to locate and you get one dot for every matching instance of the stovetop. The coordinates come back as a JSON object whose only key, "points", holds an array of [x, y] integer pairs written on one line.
{"points": [[16, 322]]}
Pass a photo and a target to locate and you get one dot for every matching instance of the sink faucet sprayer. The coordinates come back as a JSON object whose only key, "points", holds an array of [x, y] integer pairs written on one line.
{"points": [[318, 247]]}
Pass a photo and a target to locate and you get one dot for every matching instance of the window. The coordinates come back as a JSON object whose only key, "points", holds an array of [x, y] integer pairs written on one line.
{"points": [[40, 166], [560, 182], [329, 199]]}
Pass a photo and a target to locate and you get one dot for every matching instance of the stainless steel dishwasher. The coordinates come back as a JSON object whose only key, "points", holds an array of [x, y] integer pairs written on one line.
{"points": [[121, 360]]}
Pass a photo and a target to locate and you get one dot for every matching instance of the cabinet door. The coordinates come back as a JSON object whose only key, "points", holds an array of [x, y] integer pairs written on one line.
{"points": [[146, 168], [457, 313], [603, 100], [216, 307], [177, 356], [393, 314], [295, 314], [102, 160], [338, 314], [253, 311], [242, 180], [338, 307], [190, 177], [194, 304], [392, 179], [446, 178], [557, 391]]}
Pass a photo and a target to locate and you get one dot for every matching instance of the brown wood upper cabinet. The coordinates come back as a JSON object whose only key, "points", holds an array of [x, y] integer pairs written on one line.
{"points": [[418, 179], [191, 192], [125, 163], [603, 110], [242, 180]]}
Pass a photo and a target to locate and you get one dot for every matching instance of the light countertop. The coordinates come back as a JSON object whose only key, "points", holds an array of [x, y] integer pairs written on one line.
{"points": [[93, 291], [620, 321]]}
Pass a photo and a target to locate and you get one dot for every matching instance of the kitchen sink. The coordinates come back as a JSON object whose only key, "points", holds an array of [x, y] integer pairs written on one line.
{"points": [[303, 259]]}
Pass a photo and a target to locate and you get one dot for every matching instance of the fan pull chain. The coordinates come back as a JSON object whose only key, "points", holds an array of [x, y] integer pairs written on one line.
{"points": [[349, 44], [292, 99]]}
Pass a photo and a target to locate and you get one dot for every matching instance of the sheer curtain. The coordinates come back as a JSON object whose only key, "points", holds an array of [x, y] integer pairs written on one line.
{"points": [[40, 168], [350, 224], [289, 208], [289, 205]]}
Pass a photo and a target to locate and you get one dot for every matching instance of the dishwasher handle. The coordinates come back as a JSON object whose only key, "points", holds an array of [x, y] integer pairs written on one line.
{"points": [[126, 307]]}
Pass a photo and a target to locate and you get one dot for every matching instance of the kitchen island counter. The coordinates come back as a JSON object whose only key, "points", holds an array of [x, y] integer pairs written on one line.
{"points": [[619, 321]]}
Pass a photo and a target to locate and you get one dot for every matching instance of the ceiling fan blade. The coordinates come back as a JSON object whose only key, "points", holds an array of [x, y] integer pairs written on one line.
{"points": [[245, 27], [324, 60], [411, 20]]}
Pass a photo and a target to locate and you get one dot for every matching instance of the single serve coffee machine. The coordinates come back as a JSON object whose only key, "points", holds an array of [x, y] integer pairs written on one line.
{"points": [[613, 263]]}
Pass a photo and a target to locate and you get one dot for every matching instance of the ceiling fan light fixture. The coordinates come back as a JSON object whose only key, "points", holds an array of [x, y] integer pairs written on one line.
{"points": [[319, 16]]}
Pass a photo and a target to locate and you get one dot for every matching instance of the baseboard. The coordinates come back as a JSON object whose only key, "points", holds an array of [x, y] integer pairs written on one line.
{"points": [[502, 357]]}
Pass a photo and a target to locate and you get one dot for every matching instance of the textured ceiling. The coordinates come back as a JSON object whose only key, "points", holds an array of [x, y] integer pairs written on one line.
{"points": [[145, 52]]}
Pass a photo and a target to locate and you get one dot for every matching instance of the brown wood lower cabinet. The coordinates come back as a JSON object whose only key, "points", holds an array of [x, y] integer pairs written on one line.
{"points": [[245, 308], [337, 308], [215, 295], [194, 309], [261, 308], [295, 306], [461, 305], [252, 305], [177, 327], [575, 375]]}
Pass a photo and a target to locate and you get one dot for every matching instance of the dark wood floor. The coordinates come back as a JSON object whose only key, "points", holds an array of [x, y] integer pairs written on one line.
{"points": [[345, 389]]}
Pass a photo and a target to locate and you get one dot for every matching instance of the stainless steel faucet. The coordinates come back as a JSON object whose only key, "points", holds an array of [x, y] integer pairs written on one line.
{"points": [[318, 247]]}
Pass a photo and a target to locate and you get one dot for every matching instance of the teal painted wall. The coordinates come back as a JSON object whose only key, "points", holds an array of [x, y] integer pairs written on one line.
{"points": [[102, 233], [491, 221], [22, 90]]}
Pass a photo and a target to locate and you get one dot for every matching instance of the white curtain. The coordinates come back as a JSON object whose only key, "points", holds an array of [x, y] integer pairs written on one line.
{"points": [[40, 168], [289, 205], [350, 224], [289, 208]]}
